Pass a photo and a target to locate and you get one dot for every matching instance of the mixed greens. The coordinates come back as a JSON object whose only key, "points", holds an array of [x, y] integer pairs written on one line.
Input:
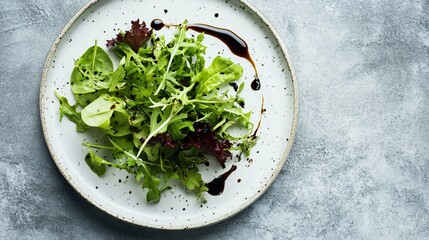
{"points": [[161, 110]]}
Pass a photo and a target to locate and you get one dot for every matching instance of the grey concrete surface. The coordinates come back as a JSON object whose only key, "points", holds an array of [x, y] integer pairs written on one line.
{"points": [[359, 167]]}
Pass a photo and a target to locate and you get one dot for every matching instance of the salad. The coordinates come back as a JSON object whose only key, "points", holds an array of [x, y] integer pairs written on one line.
{"points": [[162, 110]]}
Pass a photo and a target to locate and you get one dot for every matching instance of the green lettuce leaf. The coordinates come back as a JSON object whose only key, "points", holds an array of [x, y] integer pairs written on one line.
{"points": [[99, 112], [91, 71], [221, 71]]}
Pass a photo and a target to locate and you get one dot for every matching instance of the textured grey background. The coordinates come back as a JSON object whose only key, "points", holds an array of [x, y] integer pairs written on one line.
{"points": [[359, 167]]}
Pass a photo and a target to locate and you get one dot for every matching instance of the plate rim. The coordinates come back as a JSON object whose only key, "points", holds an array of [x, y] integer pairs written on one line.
{"points": [[221, 218]]}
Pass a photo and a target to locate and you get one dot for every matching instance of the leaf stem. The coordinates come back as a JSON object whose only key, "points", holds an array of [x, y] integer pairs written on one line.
{"points": [[157, 130], [94, 56]]}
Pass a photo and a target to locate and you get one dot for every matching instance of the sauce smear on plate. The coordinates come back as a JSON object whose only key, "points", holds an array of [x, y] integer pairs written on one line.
{"points": [[217, 185]]}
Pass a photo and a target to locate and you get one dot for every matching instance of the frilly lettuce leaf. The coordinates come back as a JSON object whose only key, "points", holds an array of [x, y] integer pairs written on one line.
{"points": [[135, 37]]}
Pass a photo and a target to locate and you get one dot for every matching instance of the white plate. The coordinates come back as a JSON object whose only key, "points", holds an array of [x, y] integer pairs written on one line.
{"points": [[117, 193]]}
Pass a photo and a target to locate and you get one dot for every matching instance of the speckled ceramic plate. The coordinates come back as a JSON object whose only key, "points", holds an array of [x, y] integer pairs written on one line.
{"points": [[117, 193]]}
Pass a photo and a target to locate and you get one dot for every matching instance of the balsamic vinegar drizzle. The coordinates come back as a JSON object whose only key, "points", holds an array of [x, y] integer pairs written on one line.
{"points": [[234, 42], [217, 185], [260, 118]]}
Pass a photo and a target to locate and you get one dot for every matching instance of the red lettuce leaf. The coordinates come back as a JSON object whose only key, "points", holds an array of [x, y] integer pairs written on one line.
{"points": [[135, 37], [203, 139], [164, 138]]}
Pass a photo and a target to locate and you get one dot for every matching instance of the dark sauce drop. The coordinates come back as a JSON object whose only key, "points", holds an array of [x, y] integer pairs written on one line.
{"points": [[241, 104], [157, 24], [256, 84], [234, 42], [217, 185], [234, 86]]}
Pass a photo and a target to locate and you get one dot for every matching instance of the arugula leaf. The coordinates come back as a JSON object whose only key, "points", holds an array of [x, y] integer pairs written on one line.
{"points": [[248, 144], [96, 163], [71, 113], [152, 184], [173, 52], [192, 181], [157, 126]]}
